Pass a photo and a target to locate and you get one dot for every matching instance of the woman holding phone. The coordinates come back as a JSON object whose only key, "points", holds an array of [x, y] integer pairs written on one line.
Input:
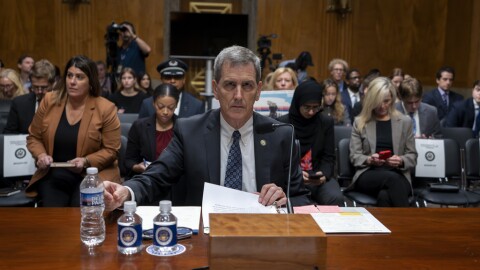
{"points": [[314, 131], [382, 147]]}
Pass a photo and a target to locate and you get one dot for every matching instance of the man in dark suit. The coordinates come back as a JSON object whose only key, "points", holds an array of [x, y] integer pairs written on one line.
{"points": [[352, 95], [424, 116], [203, 146], [23, 107], [442, 97], [173, 72], [464, 113]]}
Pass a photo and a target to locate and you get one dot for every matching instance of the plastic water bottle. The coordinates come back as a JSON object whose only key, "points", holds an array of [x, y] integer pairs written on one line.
{"points": [[92, 226], [129, 230], [165, 228]]}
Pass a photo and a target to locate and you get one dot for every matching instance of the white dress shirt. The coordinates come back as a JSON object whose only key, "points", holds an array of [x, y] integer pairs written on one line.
{"points": [[249, 183]]}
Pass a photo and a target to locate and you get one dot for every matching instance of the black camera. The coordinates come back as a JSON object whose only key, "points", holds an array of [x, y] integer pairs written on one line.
{"points": [[117, 27]]}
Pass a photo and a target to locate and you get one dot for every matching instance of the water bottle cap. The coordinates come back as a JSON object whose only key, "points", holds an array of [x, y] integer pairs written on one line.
{"points": [[92, 170], [165, 206], [130, 206]]}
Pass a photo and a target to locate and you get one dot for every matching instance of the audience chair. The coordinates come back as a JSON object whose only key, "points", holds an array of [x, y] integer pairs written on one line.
{"points": [[125, 128], [16, 200], [4, 111], [459, 134], [453, 170], [472, 161], [121, 157], [340, 132], [346, 172], [127, 117]]}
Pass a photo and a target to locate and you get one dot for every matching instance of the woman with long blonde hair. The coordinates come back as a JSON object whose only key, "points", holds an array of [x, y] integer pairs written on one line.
{"points": [[382, 147]]}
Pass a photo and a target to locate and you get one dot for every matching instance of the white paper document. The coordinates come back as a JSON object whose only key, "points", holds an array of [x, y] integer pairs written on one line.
{"points": [[349, 220], [17, 160], [187, 216], [431, 158], [219, 199]]}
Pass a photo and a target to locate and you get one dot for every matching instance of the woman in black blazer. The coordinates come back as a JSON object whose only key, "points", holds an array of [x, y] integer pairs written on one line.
{"points": [[149, 136]]}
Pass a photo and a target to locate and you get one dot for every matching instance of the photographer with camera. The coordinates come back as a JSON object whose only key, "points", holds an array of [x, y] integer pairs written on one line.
{"points": [[133, 51]]}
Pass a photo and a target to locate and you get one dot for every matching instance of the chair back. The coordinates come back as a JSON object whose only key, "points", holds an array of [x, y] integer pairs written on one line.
{"points": [[125, 128], [453, 168], [345, 167], [459, 134], [127, 117], [342, 132], [4, 111], [472, 158], [121, 156]]}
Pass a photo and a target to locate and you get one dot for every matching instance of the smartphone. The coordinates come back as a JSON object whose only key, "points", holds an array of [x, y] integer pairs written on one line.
{"points": [[384, 154], [314, 176]]}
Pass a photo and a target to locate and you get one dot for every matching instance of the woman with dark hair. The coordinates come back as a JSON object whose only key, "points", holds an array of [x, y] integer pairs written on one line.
{"points": [[149, 136], [128, 98], [317, 145], [77, 126], [145, 83]]}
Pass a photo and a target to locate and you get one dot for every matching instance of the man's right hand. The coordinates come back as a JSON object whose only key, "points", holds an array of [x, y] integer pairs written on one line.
{"points": [[114, 195]]}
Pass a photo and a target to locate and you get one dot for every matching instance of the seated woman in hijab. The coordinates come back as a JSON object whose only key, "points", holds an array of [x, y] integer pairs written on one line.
{"points": [[316, 135]]}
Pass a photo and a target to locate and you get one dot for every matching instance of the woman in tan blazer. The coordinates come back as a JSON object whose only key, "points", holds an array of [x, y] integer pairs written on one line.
{"points": [[74, 125], [378, 128]]}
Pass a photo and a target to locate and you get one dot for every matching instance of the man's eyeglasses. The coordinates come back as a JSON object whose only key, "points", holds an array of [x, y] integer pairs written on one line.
{"points": [[307, 109], [40, 88], [6, 86], [172, 77]]}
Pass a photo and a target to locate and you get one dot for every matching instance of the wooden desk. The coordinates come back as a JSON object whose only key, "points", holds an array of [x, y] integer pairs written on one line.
{"points": [[42, 238]]}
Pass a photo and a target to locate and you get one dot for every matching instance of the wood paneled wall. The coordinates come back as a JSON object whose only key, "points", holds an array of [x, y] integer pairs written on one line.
{"points": [[418, 36]]}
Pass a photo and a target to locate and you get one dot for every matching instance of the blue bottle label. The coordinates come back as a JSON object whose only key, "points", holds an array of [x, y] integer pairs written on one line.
{"points": [[165, 236], [91, 199], [130, 236]]}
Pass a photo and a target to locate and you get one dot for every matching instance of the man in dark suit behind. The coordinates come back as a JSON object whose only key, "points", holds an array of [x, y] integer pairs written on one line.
{"points": [[173, 71], [442, 97], [23, 107], [464, 113], [424, 116], [201, 145]]}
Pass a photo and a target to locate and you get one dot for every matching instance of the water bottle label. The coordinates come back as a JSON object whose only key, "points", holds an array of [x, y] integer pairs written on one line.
{"points": [[91, 199], [130, 236], [165, 236]]}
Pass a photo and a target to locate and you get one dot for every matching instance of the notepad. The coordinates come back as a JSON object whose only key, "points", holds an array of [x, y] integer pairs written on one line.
{"points": [[349, 220]]}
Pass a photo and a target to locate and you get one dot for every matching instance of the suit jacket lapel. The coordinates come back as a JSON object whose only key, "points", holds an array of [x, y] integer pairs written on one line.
{"points": [[84, 124], [184, 105], [396, 131], [371, 134], [211, 139], [262, 145]]}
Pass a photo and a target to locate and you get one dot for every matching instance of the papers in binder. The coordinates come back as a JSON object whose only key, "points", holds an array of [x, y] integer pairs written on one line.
{"points": [[187, 216], [349, 220], [219, 199]]}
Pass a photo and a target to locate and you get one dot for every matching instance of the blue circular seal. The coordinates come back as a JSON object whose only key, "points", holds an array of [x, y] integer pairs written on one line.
{"points": [[164, 236], [128, 236]]}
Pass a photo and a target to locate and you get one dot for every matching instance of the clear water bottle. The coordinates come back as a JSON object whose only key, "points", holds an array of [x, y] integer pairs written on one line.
{"points": [[165, 228], [92, 225], [129, 230]]}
